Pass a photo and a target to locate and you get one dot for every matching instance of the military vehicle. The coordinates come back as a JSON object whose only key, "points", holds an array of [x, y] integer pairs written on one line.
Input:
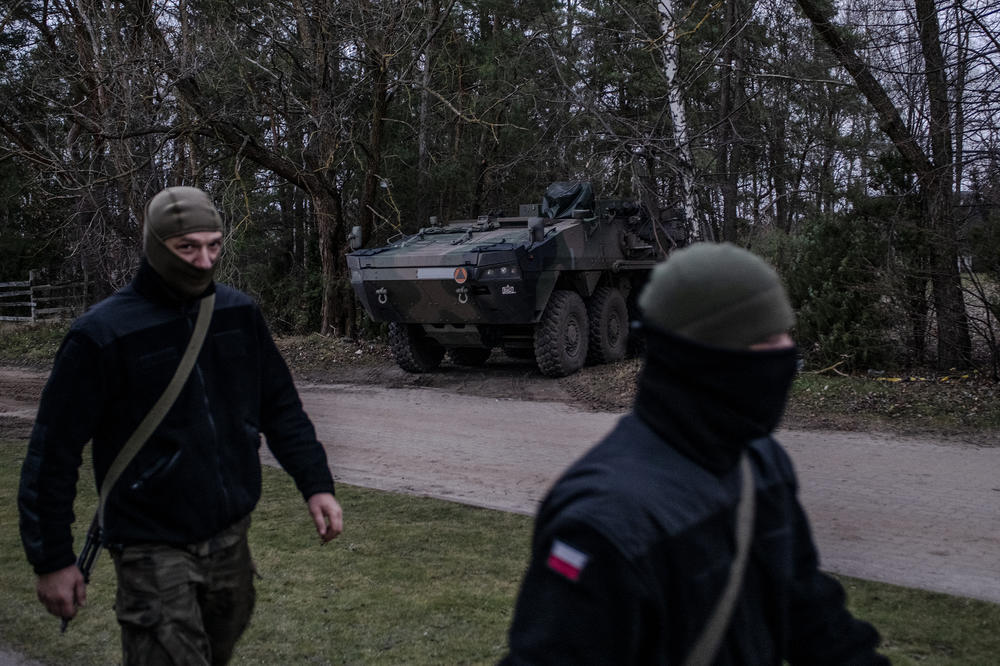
{"points": [[556, 283]]}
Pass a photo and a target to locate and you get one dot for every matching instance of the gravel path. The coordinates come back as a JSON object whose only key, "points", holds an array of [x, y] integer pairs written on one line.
{"points": [[905, 511]]}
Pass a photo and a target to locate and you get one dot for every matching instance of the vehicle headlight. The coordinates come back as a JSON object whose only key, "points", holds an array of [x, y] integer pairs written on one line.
{"points": [[504, 272]]}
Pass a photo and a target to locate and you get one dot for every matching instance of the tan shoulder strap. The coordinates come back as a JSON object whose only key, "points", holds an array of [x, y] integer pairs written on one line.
{"points": [[707, 645], [159, 410]]}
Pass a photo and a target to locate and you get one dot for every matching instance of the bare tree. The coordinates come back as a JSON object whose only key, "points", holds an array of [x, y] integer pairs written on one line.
{"points": [[83, 119], [933, 171], [670, 50]]}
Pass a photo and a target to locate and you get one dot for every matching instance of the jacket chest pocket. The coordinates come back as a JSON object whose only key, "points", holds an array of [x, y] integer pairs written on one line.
{"points": [[151, 374], [153, 361], [230, 344]]}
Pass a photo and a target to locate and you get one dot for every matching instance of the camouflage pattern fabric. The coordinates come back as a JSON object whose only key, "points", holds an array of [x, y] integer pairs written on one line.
{"points": [[185, 605]]}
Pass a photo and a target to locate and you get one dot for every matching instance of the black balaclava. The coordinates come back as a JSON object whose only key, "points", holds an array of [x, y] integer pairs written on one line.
{"points": [[710, 402], [701, 387], [174, 212]]}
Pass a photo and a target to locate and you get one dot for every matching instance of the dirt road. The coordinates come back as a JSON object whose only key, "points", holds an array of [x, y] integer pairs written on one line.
{"points": [[904, 511]]}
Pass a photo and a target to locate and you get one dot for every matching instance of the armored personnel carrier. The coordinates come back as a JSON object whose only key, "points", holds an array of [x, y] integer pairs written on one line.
{"points": [[557, 283]]}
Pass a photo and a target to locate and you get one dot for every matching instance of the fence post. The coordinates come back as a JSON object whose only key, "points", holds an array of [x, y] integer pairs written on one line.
{"points": [[32, 279]]}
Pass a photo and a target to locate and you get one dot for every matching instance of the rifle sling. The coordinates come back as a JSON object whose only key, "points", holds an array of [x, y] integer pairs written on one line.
{"points": [[159, 410]]}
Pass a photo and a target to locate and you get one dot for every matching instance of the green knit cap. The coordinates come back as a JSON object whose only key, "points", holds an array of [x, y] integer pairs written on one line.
{"points": [[717, 294], [176, 211]]}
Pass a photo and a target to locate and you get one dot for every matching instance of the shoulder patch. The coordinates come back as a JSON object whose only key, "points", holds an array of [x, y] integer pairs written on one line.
{"points": [[566, 560]]}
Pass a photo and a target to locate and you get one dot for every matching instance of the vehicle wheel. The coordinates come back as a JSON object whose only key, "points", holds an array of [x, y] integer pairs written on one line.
{"points": [[609, 326], [636, 346], [561, 335], [414, 351], [474, 356]]}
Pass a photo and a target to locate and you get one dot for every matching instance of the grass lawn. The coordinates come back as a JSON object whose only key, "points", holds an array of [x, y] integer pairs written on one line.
{"points": [[411, 581]]}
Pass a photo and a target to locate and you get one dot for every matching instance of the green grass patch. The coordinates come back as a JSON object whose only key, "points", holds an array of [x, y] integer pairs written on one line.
{"points": [[31, 344], [947, 404], [411, 581]]}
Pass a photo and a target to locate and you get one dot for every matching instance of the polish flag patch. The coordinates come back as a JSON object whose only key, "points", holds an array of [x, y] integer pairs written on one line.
{"points": [[566, 560]]}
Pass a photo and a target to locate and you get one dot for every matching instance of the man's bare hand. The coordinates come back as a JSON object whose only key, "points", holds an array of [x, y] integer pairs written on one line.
{"points": [[63, 591], [327, 514]]}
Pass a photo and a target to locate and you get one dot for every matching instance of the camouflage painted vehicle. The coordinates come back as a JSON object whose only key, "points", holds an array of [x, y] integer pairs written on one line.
{"points": [[556, 283]]}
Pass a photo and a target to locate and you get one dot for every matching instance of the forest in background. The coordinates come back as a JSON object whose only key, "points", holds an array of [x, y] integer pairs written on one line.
{"points": [[855, 144]]}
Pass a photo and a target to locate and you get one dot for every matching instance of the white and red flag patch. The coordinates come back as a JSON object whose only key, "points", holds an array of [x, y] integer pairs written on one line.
{"points": [[567, 560]]}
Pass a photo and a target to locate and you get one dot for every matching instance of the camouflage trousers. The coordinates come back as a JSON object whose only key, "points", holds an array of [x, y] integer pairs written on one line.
{"points": [[184, 605]]}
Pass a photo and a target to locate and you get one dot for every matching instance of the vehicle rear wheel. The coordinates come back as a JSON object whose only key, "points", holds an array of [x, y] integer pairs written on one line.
{"points": [[414, 351], [474, 356], [609, 326], [561, 335]]}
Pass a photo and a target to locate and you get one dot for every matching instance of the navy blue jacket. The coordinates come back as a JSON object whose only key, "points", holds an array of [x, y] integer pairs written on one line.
{"points": [[200, 471], [657, 534]]}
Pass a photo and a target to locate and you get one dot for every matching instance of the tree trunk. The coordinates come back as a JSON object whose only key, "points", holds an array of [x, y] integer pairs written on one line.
{"points": [[678, 116], [730, 142], [779, 171], [933, 177], [954, 344], [380, 101], [423, 152]]}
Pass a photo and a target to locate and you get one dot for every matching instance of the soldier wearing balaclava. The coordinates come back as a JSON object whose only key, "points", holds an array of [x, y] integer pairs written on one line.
{"points": [[176, 211], [176, 505], [679, 538], [701, 386]]}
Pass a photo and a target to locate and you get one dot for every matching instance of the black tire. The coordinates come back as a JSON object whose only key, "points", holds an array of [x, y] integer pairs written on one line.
{"points": [[561, 335], [609, 326], [472, 356], [414, 351], [636, 347]]}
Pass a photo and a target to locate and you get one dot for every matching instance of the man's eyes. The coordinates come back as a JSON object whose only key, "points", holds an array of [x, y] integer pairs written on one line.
{"points": [[187, 247]]}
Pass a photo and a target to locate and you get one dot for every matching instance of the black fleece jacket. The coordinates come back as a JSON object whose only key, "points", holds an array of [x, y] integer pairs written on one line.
{"points": [[633, 545], [200, 470]]}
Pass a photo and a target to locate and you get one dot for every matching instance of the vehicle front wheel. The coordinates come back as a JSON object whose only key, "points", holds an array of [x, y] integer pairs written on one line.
{"points": [[561, 335], [414, 351]]}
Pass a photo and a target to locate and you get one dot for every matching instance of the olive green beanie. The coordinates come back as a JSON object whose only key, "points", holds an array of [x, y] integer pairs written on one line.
{"points": [[717, 294], [174, 212]]}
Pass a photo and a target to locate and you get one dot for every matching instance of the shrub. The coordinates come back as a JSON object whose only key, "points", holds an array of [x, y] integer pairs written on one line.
{"points": [[834, 268]]}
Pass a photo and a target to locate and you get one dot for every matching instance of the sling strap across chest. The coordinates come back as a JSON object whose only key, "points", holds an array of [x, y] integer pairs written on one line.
{"points": [[160, 408], [94, 540], [708, 643]]}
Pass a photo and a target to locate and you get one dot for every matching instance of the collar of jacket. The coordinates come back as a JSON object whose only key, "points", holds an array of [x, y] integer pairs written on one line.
{"points": [[151, 285], [709, 403]]}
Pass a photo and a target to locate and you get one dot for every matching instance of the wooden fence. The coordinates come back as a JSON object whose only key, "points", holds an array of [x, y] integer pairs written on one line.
{"points": [[31, 301]]}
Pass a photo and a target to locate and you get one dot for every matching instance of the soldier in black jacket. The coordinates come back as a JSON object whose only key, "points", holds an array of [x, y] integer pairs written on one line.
{"points": [[176, 520], [634, 547]]}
